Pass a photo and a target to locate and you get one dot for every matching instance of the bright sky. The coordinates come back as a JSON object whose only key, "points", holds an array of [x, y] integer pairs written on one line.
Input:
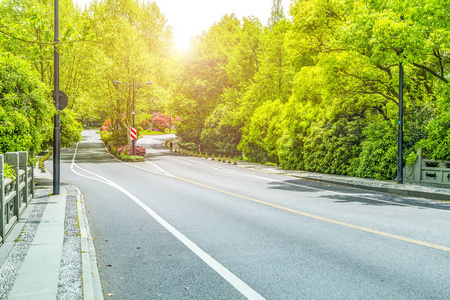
{"points": [[190, 18]]}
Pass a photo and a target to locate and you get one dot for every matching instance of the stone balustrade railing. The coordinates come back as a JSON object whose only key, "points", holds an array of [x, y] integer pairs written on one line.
{"points": [[14, 194]]}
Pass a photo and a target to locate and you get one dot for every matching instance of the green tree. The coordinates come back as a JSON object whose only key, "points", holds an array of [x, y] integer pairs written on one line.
{"points": [[205, 77], [27, 32], [260, 136], [134, 41], [26, 107], [277, 13]]}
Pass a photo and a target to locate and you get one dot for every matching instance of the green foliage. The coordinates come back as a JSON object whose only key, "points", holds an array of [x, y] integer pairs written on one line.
{"points": [[219, 134], [113, 141], [332, 148], [107, 137], [130, 158], [316, 91], [70, 128], [188, 145], [26, 109], [27, 28], [260, 135], [152, 132], [9, 172], [378, 158], [43, 159], [437, 142]]}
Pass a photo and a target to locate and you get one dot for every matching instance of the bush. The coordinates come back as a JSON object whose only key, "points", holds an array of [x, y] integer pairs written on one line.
{"points": [[107, 137], [138, 150], [188, 146], [42, 161], [378, 159], [26, 108], [124, 157], [261, 133]]}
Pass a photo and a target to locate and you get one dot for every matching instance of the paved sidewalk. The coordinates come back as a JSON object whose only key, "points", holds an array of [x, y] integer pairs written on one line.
{"points": [[49, 253]]}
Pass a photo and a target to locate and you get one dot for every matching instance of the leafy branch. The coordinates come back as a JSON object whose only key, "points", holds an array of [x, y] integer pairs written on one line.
{"points": [[44, 43]]}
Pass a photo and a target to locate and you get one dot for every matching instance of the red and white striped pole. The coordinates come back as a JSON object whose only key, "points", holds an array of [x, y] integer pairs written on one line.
{"points": [[133, 135]]}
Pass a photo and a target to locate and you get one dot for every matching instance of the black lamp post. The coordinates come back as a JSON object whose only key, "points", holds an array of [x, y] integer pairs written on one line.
{"points": [[400, 124], [116, 83], [400, 127], [56, 128]]}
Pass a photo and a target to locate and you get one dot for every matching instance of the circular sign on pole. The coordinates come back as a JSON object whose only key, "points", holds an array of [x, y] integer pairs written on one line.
{"points": [[133, 133], [63, 100]]}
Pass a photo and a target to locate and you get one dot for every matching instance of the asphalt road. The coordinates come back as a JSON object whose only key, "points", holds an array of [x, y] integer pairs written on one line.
{"points": [[180, 227]]}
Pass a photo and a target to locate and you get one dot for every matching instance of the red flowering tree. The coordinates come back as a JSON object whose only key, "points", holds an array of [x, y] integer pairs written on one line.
{"points": [[163, 121]]}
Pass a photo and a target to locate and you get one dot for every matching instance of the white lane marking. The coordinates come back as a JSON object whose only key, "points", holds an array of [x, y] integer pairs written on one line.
{"points": [[237, 283], [218, 168], [150, 167], [227, 170]]}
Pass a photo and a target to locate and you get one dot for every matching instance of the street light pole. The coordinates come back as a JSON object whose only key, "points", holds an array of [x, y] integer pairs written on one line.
{"points": [[400, 127], [400, 123], [56, 128]]}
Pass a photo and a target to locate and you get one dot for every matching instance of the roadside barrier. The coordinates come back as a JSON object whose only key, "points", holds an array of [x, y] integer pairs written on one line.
{"points": [[221, 158], [15, 194], [427, 171]]}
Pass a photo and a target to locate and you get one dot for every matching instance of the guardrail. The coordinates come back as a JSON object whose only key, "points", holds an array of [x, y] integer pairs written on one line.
{"points": [[15, 194], [427, 171]]}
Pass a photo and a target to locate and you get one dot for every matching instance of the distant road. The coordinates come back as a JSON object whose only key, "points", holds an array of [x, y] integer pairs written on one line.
{"points": [[180, 227]]}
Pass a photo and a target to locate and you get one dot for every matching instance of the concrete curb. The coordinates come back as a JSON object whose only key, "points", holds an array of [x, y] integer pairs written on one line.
{"points": [[389, 190], [92, 288]]}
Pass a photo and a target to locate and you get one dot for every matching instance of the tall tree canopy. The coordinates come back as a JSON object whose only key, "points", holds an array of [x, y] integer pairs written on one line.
{"points": [[323, 95], [314, 89]]}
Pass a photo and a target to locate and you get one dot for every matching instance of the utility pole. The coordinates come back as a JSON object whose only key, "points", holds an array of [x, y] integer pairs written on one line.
{"points": [[56, 130]]}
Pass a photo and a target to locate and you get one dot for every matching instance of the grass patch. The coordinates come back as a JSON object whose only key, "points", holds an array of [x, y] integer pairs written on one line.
{"points": [[151, 132], [130, 158]]}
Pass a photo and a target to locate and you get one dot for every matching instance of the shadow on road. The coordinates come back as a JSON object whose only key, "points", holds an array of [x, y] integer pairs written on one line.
{"points": [[345, 195]]}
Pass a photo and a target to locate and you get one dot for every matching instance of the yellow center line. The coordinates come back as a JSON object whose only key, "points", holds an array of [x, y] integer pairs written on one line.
{"points": [[381, 233]]}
